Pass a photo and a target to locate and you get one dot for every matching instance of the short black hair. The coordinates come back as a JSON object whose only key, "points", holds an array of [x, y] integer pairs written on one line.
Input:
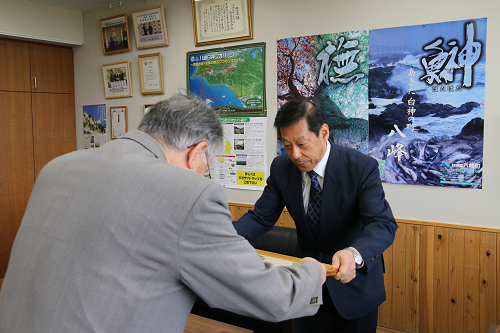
{"points": [[294, 111]]}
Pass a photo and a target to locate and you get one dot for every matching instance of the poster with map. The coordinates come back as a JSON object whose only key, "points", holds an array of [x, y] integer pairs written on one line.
{"points": [[231, 79]]}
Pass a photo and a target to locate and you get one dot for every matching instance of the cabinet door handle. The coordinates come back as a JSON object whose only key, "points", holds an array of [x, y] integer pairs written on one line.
{"points": [[35, 81]]}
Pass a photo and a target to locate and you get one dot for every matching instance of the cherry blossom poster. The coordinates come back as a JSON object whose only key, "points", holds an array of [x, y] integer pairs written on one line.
{"points": [[411, 97]]}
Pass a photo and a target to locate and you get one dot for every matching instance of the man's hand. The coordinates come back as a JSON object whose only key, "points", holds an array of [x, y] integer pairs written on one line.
{"points": [[321, 266], [344, 261]]}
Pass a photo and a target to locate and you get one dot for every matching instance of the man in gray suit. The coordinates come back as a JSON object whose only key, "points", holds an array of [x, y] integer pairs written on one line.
{"points": [[123, 238]]}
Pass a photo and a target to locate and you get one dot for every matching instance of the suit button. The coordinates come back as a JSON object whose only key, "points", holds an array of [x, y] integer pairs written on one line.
{"points": [[321, 254], [372, 259]]}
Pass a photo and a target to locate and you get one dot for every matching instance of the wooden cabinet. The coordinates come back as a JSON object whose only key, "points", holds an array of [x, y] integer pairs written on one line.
{"points": [[51, 69], [53, 127], [14, 66], [37, 124]]}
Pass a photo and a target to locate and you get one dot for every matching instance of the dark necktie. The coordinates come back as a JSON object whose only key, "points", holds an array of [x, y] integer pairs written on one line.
{"points": [[313, 207]]}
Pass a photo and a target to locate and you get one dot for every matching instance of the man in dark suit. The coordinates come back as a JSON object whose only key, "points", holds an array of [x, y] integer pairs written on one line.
{"points": [[352, 225]]}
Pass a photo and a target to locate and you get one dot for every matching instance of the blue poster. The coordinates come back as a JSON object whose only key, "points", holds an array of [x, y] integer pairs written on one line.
{"points": [[94, 125], [426, 111]]}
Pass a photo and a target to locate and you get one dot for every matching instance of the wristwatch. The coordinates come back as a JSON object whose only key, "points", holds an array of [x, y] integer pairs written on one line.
{"points": [[357, 258]]}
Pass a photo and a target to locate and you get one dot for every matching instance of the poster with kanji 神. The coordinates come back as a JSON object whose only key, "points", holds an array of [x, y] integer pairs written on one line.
{"points": [[330, 70], [426, 90], [411, 97]]}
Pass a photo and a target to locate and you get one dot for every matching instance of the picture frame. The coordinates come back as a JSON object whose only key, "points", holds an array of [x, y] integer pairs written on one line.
{"points": [[117, 79], [119, 121], [151, 74], [149, 27], [236, 21], [114, 34]]}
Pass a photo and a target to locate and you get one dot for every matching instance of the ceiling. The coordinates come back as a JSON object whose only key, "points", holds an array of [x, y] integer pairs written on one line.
{"points": [[83, 5]]}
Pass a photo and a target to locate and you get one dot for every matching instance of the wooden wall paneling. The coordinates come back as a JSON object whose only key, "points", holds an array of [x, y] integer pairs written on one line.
{"points": [[412, 276], [399, 278], [281, 220], [487, 280], [456, 277], [235, 211], [441, 285], [53, 68], [426, 285], [15, 65], [289, 222], [16, 167], [497, 255], [54, 127], [384, 312], [471, 281]]}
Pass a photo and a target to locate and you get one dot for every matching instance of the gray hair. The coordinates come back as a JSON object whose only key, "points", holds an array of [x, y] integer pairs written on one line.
{"points": [[181, 121]]}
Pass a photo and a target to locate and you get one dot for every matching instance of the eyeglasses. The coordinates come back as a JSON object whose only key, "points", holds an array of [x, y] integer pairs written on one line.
{"points": [[207, 173]]}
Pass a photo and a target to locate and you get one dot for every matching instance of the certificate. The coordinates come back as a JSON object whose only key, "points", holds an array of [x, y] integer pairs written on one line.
{"points": [[150, 71], [118, 121], [282, 260]]}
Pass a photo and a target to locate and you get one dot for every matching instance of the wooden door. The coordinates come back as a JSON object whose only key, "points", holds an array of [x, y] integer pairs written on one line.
{"points": [[14, 66], [54, 127], [16, 167], [52, 69]]}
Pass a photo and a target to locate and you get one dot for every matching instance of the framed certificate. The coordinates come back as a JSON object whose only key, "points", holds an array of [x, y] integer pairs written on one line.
{"points": [[219, 21], [116, 77], [149, 27], [114, 34], [118, 121], [151, 74]]}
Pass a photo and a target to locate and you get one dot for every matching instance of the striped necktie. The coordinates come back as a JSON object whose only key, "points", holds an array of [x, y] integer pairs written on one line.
{"points": [[313, 207]]}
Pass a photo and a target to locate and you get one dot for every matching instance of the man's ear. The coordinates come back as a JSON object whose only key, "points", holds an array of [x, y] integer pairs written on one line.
{"points": [[193, 153], [324, 132]]}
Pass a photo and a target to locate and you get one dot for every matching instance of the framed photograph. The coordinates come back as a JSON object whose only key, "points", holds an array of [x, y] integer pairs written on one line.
{"points": [[146, 108], [149, 27], [220, 21], [117, 81], [151, 74], [114, 34], [119, 127]]}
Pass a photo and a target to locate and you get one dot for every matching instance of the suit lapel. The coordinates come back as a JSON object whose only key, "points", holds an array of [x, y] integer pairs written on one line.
{"points": [[331, 197]]}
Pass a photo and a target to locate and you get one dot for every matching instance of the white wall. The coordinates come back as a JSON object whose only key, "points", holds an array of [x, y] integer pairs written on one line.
{"points": [[276, 19], [39, 22]]}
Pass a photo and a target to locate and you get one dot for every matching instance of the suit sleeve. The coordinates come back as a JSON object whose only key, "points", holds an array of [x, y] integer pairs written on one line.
{"points": [[379, 225], [266, 212], [224, 270]]}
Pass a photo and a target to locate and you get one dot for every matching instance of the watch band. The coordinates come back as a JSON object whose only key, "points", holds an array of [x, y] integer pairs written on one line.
{"points": [[357, 257]]}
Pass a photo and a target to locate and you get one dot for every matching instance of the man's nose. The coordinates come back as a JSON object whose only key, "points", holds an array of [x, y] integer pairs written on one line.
{"points": [[296, 152]]}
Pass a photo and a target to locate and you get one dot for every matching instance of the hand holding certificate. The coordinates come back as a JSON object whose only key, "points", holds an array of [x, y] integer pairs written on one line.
{"points": [[282, 260]]}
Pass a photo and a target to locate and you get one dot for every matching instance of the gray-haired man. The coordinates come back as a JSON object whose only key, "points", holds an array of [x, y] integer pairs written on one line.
{"points": [[122, 239]]}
